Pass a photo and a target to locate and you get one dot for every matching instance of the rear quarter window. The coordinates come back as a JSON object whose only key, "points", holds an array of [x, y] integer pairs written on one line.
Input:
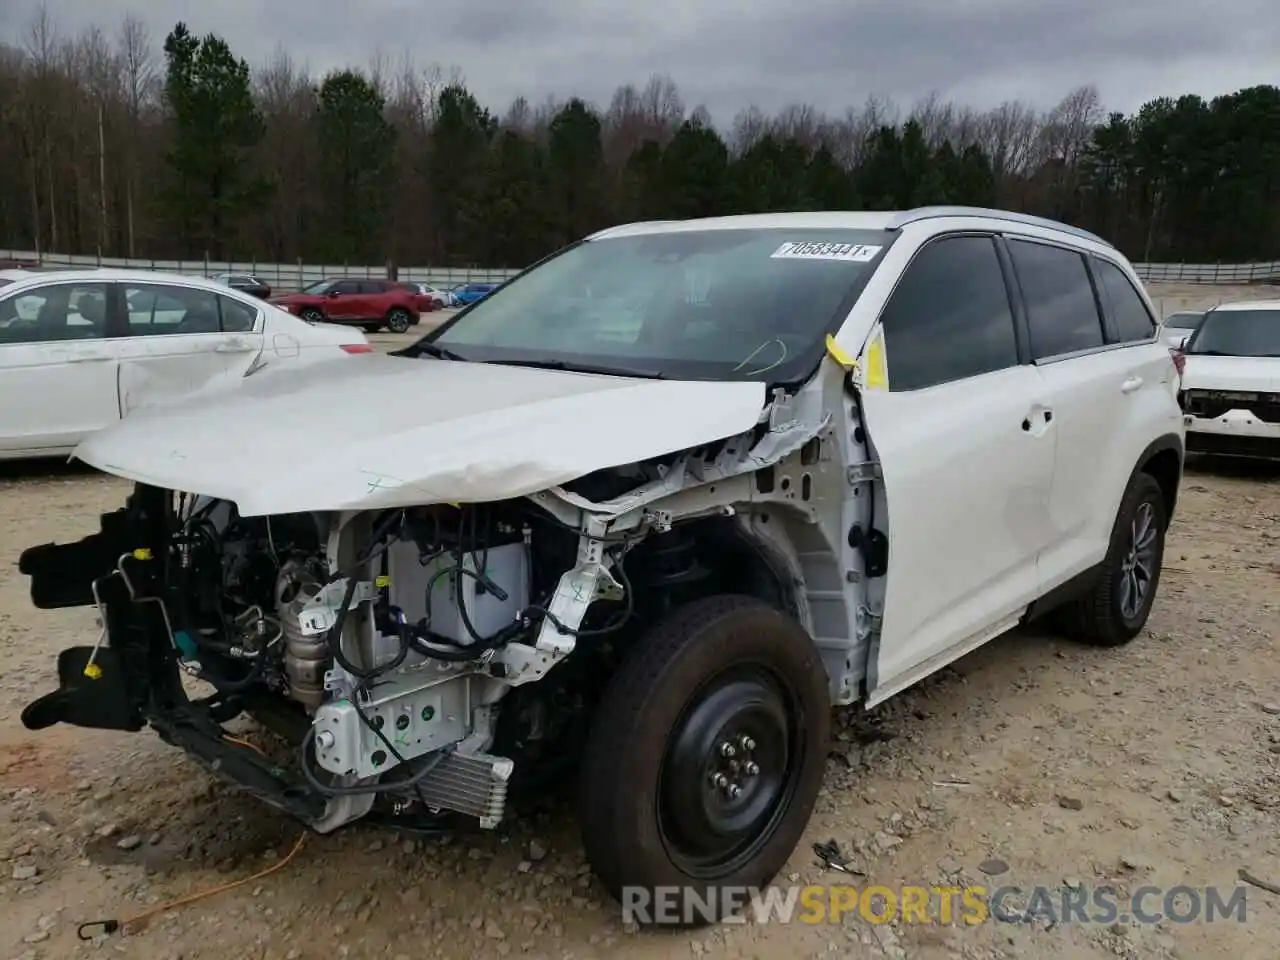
{"points": [[1133, 321]]}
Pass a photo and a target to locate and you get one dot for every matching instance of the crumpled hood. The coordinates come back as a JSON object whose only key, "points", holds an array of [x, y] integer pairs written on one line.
{"points": [[382, 431], [1260, 374]]}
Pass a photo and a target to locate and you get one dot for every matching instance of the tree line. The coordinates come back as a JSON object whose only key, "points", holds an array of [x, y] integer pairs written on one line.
{"points": [[122, 146]]}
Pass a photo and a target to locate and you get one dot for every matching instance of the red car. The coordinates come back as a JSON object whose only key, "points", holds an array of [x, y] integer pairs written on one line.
{"points": [[371, 304], [423, 296]]}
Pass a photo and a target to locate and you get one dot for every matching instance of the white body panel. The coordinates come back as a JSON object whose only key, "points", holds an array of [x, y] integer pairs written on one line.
{"points": [[476, 432], [968, 492], [55, 394]]}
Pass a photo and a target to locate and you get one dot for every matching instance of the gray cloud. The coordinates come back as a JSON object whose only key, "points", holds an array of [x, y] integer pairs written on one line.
{"points": [[829, 53]]}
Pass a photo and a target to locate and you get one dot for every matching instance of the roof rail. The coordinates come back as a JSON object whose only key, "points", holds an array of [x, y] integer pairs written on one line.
{"points": [[929, 213]]}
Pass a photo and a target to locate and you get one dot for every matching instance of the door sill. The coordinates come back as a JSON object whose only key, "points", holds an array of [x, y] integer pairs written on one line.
{"points": [[914, 675]]}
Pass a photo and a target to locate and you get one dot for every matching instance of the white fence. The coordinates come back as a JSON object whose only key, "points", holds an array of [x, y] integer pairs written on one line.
{"points": [[293, 276], [282, 277]]}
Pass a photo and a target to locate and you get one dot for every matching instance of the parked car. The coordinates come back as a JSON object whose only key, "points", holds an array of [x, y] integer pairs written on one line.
{"points": [[371, 304], [876, 442], [1178, 326], [426, 297], [80, 350], [471, 292], [1231, 385], [246, 283]]}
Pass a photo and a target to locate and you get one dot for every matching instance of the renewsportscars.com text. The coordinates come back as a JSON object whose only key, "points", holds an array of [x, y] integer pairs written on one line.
{"points": [[944, 905]]}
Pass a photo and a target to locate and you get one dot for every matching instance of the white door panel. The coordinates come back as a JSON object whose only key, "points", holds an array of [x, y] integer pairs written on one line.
{"points": [[1109, 406], [162, 368], [58, 371], [177, 346], [967, 470], [52, 395]]}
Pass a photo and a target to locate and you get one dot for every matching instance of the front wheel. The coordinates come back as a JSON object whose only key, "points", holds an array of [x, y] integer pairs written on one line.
{"points": [[398, 321], [1117, 608], [311, 315], [704, 761]]}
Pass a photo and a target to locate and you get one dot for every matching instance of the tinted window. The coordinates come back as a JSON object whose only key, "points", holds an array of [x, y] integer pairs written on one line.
{"points": [[1061, 310], [372, 286], [345, 286], [1238, 333], [1132, 320], [70, 311], [159, 310], [949, 317], [236, 317]]}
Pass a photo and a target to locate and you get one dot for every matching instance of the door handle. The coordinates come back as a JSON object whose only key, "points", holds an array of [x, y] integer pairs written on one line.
{"points": [[86, 356], [1130, 385], [1028, 422]]}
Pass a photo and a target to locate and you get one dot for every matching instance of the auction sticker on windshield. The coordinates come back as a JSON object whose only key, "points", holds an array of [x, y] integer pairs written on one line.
{"points": [[806, 250]]}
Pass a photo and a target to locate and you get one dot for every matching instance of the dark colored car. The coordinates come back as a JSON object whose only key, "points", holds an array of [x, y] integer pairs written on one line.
{"points": [[245, 283], [371, 304]]}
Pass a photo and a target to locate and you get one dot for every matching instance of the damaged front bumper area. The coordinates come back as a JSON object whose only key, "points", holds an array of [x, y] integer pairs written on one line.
{"points": [[131, 677]]}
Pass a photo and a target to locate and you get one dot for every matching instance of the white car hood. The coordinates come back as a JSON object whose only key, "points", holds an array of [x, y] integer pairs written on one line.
{"points": [[1258, 374], [378, 431]]}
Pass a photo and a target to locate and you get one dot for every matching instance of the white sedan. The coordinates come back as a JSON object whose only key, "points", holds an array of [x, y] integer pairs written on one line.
{"points": [[1231, 381], [80, 349]]}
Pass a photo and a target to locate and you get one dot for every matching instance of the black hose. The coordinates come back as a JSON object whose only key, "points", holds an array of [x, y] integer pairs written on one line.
{"points": [[390, 787]]}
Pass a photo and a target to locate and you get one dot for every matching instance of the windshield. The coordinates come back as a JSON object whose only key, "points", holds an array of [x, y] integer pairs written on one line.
{"points": [[320, 286], [707, 304], [1238, 333], [1184, 321]]}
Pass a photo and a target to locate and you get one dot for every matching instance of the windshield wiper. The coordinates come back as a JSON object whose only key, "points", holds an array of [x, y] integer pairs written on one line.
{"points": [[431, 350], [583, 368]]}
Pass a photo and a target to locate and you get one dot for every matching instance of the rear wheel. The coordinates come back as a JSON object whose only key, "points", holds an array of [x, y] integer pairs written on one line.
{"points": [[705, 760], [398, 320], [1117, 608]]}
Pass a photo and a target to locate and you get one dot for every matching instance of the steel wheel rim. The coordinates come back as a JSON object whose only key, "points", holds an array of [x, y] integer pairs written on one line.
{"points": [[1137, 570], [311, 316], [398, 322], [730, 768]]}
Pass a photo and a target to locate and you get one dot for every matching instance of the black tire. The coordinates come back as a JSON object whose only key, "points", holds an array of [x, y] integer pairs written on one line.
{"points": [[716, 671], [1104, 617], [398, 321], [311, 315], [370, 327]]}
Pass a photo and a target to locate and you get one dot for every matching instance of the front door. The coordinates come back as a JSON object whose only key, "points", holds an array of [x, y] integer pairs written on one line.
{"points": [[966, 445], [179, 339], [57, 369], [345, 301]]}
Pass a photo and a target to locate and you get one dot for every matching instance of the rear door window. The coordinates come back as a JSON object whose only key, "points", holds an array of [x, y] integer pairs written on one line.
{"points": [[1062, 312]]}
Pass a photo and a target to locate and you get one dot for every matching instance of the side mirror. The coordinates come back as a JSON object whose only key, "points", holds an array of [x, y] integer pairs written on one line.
{"points": [[332, 293]]}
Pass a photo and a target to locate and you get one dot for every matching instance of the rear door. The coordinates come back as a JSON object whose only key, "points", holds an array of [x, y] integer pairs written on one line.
{"points": [[177, 339], [966, 444], [1110, 383], [57, 368], [374, 299]]}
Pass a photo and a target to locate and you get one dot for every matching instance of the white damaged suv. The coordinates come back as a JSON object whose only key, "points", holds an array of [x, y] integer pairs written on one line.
{"points": [[654, 507]]}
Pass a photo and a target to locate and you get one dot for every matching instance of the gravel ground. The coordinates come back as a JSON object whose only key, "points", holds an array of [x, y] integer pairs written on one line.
{"points": [[1032, 762]]}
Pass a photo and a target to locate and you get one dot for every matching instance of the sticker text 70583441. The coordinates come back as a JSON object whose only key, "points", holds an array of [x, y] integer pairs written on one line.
{"points": [[803, 250]]}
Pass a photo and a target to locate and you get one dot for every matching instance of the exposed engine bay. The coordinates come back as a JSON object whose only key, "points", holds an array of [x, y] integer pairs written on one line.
{"points": [[393, 651]]}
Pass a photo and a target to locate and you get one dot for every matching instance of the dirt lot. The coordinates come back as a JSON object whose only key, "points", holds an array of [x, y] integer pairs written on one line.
{"points": [[1033, 762]]}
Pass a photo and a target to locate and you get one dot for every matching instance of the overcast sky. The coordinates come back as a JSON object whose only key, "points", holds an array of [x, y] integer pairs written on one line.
{"points": [[730, 53]]}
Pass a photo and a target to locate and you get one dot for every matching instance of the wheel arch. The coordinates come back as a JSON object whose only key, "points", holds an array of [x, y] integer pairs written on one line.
{"points": [[1162, 460]]}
